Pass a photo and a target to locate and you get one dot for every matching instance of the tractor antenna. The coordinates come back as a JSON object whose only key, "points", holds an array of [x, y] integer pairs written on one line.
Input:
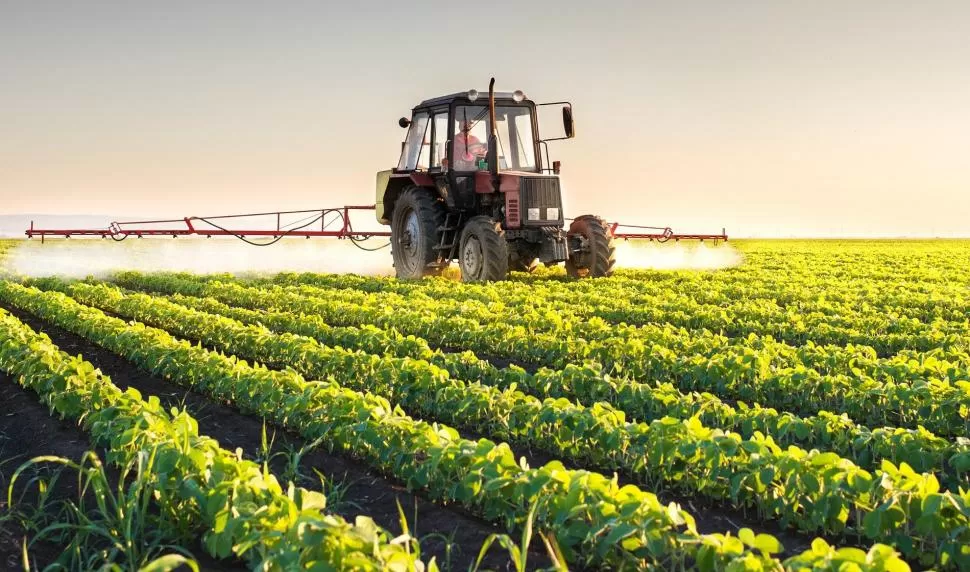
{"points": [[492, 136]]}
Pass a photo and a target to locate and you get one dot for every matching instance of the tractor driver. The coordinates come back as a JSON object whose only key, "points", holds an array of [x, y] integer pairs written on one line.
{"points": [[468, 149]]}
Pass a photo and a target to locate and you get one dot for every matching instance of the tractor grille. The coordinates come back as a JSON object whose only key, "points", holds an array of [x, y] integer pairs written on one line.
{"points": [[540, 201]]}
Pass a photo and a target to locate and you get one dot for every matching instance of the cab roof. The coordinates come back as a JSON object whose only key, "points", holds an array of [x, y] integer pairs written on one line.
{"points": [[482, 98]]}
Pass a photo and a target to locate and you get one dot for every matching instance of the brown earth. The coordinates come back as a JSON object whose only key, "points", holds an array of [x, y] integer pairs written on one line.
{"points": [[366, 492]]}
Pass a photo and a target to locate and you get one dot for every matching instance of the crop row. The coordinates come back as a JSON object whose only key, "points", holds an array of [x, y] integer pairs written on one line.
{"points": [[919, 448], [923, 301], [887, 261], [243, 511], [866, 447], [812, 490], [941, 407], [887, 331], [859, 362], [924, 259], [537, 315], [594, 519]]}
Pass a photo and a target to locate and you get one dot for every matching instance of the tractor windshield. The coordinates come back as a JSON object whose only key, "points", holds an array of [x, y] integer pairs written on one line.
{"points": [[516, 143]]}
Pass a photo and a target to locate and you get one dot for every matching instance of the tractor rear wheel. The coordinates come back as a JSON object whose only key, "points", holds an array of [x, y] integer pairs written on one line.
{"points": [[483, 253], [597, 253], [414, 233]]}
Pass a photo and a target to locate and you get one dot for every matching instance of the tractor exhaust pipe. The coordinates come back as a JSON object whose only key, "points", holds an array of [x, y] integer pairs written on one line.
{"points": [[492, 137]]}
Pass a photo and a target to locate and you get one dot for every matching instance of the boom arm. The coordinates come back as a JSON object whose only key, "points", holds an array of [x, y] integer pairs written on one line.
{"points": [[216, 226], [340, 218], [661, 233]]}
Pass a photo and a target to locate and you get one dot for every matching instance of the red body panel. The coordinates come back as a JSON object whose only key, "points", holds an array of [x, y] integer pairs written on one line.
{"points": [[513, 213], [418, 178], [507, 182], [422, 179]]}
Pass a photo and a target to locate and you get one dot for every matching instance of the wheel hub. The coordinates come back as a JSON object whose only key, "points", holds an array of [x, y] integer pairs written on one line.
{"points": [[472, 257], [408, 234], [581, 253]]}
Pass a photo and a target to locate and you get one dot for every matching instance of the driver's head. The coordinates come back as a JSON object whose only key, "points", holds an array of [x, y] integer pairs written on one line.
{"points": [[466, 126]]}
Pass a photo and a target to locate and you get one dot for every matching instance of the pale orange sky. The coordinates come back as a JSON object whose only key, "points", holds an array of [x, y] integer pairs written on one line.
{"points": [[767, 118]]}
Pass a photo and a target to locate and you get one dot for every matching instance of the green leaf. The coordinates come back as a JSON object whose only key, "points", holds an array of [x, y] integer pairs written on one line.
{"points": [[768, 544], [168, 563], [746, 535]]}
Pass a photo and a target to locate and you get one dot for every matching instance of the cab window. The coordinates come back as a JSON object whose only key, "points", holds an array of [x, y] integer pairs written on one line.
{"points": [[417, 146], [514, 138], [439, 152]]}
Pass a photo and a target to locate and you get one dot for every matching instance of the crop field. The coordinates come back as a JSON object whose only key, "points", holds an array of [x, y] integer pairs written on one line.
{"points": [[808, 409]]}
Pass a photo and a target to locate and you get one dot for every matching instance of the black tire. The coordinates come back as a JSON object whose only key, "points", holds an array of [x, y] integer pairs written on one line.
{"points": [[414, 232], [598, 256], [483, 253]]}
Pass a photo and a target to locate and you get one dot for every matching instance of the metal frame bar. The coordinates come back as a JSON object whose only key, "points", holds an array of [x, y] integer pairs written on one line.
{"points": [[139, 229], [665, 234]]}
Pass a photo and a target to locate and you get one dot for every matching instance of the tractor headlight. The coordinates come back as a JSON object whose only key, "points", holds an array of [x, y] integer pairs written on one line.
{"points": [[472, 94], [518, 96]]}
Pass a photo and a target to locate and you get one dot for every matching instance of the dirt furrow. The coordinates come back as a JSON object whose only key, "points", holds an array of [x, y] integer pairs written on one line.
{"points": [[450, 534], [28, 430]]}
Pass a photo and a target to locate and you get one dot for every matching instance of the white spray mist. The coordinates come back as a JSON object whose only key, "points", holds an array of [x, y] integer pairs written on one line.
{"points": [[99, 258], [676, 255]]}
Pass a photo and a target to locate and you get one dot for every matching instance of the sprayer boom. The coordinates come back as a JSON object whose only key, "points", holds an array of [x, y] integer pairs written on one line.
{"points": [[330, 222]]}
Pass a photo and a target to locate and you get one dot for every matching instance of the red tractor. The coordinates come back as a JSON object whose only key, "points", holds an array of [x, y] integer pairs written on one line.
{"points": [[473, 185]]}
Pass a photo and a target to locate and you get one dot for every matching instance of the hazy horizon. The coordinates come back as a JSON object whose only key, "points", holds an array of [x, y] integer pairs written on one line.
{"points": [[767, 119]]}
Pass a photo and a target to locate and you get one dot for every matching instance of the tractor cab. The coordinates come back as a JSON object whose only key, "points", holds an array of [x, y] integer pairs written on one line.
{"points": [[464, 121], [473, 184]]}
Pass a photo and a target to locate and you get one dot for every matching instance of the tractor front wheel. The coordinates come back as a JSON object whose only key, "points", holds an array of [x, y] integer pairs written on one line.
{"points": [[414, 233], [483, 253], [595, 255]]}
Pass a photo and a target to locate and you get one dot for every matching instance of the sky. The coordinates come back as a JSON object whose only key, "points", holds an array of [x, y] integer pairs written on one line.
{"points": [[767, 118]]}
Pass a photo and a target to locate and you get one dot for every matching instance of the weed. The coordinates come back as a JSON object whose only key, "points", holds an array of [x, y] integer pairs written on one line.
{"points": [[103, 527]]}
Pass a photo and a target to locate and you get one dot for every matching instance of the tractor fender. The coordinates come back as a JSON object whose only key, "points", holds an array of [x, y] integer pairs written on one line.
{"points": [[389, 187]]}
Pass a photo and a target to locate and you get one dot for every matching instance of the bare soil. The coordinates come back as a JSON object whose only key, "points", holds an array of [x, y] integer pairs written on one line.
{"points": [[28, 430], [366, 491]]}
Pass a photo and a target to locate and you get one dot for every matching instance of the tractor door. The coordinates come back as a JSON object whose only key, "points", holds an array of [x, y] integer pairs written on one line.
{"points": [[461, 172], [417, 147]]}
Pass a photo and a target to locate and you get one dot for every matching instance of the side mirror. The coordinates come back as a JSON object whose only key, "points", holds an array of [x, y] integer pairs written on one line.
{"points": [[404, 122], [567, 122]]}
